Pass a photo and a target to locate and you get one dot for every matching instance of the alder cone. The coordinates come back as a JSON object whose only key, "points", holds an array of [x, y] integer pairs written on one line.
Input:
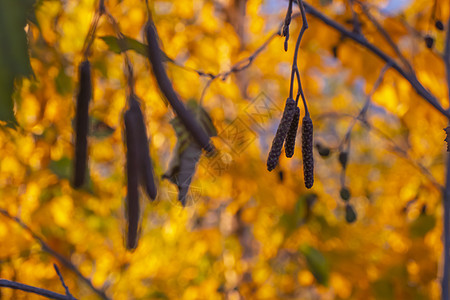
{"points": [[280, 136], [307, 151], [82, 123], [343, 159], [350, 213], [289, 146], [132, 166], [145, 163]]}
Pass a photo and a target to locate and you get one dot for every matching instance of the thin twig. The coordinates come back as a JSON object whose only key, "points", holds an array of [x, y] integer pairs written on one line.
{"points": [[394, 147], [90, 37], [34, 290], [297, 47], [68, 294], [445, 290], [356, 23], [387, 37], [287, 22], [46, 248], [412, 79], [363, 112], [123, 47]]}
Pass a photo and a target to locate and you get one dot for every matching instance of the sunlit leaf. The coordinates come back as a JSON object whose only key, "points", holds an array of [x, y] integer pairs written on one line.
{"points": [[61, 167], [317, 264], [422, 225], [14, 59]]}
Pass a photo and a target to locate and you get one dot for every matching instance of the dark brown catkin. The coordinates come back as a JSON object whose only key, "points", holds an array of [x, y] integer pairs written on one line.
{"points": [[133, 164], [145, 164], [280, 136], [289, 145], [186, 117], [307, 151], [82, 123]]}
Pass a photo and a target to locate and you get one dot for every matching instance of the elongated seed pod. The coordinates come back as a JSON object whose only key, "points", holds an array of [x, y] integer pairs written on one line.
{"points": [[133, 164], [186, 117], [280, 136], [289, 145], [82, 123], [307, 151], [146, 176]]}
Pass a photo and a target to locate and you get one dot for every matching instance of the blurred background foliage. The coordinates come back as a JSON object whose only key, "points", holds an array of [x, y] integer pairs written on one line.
{"points": [[247, 233]]}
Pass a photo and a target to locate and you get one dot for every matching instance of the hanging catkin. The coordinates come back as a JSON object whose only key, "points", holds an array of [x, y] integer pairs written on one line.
{"points": [[133, 165], [82, 123], [289, 146], [307, 151], [280, 136], [186, 117], [146, 177]]}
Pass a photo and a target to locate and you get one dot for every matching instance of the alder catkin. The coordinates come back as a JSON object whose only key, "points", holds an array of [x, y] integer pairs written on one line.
{"points": [[289, 146], [280, 136], [132, 167], [145, 164], [82, 123], [307, 151], [186, 117]]}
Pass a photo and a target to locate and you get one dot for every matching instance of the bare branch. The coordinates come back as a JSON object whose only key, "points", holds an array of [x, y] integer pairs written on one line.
{"points": [[68, 294], [34, 290], [46, 248], [445, 289], [393, 146], [418, 87], [387, 37], [362, 113], [297, 47]]}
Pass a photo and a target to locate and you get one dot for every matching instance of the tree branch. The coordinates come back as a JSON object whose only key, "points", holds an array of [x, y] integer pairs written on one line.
{"points": [[45, 247], [445, 292], [393, 147], [387, 37], [411, 78], [34, 290]]}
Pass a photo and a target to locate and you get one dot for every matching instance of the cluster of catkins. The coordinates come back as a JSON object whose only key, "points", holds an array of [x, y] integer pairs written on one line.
{"points": [[286, 135], [139, 167]]}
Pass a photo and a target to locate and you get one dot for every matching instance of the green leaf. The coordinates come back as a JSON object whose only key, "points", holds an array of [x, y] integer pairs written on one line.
{"points": [[317, 264], [99, 129], [62, 167], [187, 152], [14, 59], [325, 2], [129, 44], [420, 226], [63, 83], [383, 289]]}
